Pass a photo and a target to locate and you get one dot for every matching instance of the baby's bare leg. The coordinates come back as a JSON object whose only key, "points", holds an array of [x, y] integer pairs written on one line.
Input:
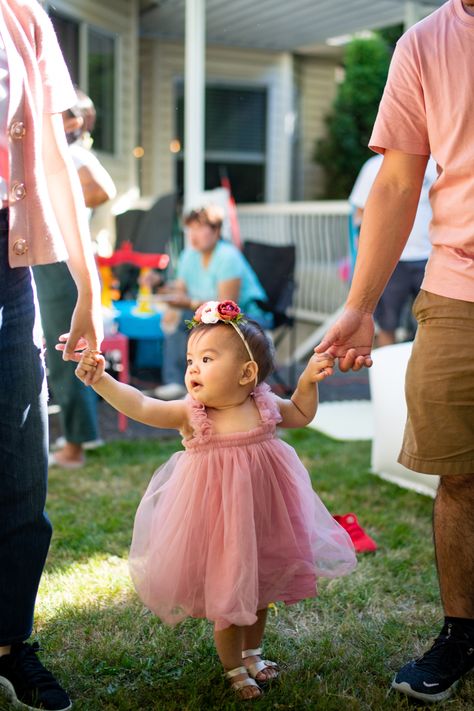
{"points": [[229, 648], [252, 639]]}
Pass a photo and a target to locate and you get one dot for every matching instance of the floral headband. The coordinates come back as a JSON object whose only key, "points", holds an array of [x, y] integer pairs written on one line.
{"points": [[224, 311]]}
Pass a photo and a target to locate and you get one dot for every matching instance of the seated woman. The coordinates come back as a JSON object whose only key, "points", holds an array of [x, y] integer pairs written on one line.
{"points": [[209, 268]]}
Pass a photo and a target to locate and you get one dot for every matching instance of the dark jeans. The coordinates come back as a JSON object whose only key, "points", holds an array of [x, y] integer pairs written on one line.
{"points": [[25, 531], [174, 352], [57, 296]]}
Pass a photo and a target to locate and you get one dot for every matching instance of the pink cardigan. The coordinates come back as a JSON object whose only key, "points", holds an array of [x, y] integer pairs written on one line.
{"points": [[39, 84]]}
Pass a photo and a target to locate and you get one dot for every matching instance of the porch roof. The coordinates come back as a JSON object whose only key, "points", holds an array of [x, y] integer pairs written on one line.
{"points": [[279, 25]]}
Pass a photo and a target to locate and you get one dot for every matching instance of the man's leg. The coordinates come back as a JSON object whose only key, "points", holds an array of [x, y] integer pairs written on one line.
{"points": [[439, 439], [57, 295], [454, 544], [174, 361], [389, 309]]}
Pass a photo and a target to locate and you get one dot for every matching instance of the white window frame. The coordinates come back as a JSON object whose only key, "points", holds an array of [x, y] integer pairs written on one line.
{"points": [[263, 158], [84, 25]]}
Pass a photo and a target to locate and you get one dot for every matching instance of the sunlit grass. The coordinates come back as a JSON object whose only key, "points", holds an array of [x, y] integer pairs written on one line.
{"points": [[339, 652]]}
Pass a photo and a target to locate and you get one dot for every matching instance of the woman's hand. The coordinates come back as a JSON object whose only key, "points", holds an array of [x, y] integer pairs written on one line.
{"points": [[86, 330], [180, 301]]}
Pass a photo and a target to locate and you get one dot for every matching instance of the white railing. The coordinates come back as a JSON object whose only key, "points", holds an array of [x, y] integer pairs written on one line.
{"points": [[319, 230]]}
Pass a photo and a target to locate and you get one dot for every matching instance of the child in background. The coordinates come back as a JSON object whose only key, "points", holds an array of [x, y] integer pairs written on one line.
{"points": [[232, 523]]}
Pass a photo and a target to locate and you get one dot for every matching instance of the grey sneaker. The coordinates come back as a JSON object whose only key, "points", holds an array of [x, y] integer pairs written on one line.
{"points": [[27, 684], [171, 391]]}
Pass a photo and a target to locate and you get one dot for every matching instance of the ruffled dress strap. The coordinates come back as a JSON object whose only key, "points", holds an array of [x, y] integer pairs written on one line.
{"points": [[199, 421], [265, 401]]}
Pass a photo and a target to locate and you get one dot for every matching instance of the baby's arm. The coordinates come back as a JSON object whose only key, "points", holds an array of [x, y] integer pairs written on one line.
{"points": [[301, 409], [130, 401]]}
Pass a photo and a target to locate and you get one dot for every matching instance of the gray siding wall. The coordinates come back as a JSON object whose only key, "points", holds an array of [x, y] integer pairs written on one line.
{"points": [[317, 89], [164, 62], [287, 177], [119, 17]]}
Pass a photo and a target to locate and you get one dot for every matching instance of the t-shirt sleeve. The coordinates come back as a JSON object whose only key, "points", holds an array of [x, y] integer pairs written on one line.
{"points": [[401, 120], [58, 91], [182, 269], [230, 265]]}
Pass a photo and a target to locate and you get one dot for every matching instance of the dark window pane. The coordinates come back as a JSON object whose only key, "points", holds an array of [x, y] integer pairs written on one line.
{"points": [[235, 139], [236, 119], [67, 31], [101, 79], [247, 180]]}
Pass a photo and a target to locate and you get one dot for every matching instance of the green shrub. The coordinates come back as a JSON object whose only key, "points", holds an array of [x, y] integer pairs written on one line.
{"points": [[349, 125]]}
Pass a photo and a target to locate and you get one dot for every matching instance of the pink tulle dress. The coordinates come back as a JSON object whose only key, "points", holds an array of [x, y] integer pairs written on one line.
{"points": [[231, 524]]}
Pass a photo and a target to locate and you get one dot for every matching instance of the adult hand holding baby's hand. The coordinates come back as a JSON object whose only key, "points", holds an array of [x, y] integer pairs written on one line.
{"points": [[91, 367]]}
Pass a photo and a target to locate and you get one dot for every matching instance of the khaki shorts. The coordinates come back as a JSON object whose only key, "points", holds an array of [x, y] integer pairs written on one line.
{"points": [[439, 386]]}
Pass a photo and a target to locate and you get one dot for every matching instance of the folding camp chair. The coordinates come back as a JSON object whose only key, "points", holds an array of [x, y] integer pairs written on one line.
{"points": [[275, 267], [149, 231]]}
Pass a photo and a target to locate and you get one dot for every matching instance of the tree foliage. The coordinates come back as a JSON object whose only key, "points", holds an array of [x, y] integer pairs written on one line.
{"points": [[349, 125]]}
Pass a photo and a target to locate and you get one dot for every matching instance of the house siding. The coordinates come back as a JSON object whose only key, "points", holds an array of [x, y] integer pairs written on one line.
{"points": [[317, 89], [287, 176], [119, 17], [226, 65]]}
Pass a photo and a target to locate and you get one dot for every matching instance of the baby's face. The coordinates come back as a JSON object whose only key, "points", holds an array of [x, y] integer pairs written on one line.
{"points": [[214, 366]]}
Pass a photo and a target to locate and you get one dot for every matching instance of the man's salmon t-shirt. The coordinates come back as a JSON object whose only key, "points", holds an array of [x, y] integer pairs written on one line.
{"points": [[428, 108]]}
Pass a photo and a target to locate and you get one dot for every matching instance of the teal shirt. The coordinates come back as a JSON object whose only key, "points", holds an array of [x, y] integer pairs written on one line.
{"points": [[226, 263]]}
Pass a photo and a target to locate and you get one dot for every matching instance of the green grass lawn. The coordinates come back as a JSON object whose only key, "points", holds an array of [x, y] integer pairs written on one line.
{"points": [[339, 651]]}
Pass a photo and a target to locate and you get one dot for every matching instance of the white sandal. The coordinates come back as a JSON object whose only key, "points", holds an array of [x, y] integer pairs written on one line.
{"points": [[237, 686], [256, 667]]}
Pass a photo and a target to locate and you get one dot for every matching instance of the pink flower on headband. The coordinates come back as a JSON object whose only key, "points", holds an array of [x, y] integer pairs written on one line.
{"points": [[209, 312], [228, 310], [198, 313], [215, 311]]}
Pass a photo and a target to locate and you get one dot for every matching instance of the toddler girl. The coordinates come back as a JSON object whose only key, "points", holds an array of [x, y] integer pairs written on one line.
{"points": [[231, 524]]}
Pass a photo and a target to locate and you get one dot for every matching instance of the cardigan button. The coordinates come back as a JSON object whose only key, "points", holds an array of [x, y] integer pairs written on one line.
{"points": [[20, 247], [18, 191], [17, 130]]}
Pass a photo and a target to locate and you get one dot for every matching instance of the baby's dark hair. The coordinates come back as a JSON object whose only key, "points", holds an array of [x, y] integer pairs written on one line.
{"points": [[258, 342]]}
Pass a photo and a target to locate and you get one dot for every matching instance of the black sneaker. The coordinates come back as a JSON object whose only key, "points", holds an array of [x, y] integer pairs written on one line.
{"points": [[434, 676], [26, 684]]}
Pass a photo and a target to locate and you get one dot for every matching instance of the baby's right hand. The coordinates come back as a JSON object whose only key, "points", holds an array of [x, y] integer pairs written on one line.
{"points": [[90, 368]]}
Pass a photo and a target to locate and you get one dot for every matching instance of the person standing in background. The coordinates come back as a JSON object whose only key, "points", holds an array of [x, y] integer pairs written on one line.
{"points": [[42, 220], [57, 294], [405, 282]]}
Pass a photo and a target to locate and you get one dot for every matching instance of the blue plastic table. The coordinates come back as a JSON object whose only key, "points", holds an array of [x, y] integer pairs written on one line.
{"points": [[143, 327]]}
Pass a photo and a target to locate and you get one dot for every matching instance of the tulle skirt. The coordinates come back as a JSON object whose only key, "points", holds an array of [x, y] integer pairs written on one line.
{"points": [[222, 532]]}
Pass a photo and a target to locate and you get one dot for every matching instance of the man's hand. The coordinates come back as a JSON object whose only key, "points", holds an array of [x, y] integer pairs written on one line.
{"points": [[350, 340]]}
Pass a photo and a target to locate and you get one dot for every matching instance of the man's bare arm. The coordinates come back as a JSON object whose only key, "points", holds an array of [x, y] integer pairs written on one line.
{"points": [[388, 219]]}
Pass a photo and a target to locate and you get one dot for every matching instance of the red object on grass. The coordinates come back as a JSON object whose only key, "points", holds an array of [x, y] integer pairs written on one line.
{"points": [[126, 255], [363, 543]]}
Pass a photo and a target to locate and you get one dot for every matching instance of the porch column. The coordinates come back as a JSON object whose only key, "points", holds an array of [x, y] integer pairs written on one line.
{"points": [[413, 13], [194, 104]]}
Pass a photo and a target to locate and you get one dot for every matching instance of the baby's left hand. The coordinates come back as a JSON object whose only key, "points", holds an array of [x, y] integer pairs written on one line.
{"points": [[320, 365]]}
